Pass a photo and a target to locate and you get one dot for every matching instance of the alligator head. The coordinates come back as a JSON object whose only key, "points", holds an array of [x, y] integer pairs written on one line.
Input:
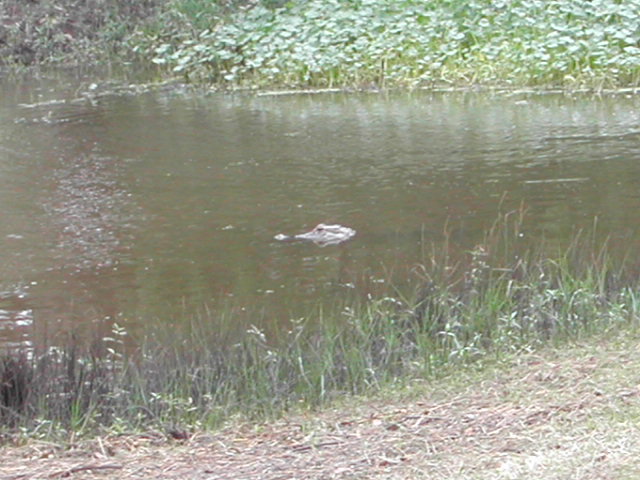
{"points": [[323, 235]]}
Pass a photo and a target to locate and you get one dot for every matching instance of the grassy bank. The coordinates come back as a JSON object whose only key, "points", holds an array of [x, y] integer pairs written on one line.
{"points": [[391, 43], [504, 299], [332, 43], [555, 413]]}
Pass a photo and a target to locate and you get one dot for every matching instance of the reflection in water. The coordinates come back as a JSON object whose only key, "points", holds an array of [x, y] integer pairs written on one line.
{"points": [[16, 318], [87, 209], [88, 216], [67, 229], [157, 207]]}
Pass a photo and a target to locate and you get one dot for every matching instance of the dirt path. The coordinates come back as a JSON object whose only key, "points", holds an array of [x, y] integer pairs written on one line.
{"points": [[569, 414]]}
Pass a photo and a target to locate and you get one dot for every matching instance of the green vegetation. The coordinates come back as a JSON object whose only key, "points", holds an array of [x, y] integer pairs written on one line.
{"points": [[504, 301], [568, 412], [402, 43], [333, 43]]}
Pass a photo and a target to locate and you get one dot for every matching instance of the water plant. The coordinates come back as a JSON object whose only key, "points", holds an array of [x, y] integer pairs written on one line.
{"points": [[402, 43], [331, 43], [505, 297]]}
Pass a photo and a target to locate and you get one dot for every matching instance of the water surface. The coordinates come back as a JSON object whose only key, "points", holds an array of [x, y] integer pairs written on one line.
{"points": [[156, 207]]}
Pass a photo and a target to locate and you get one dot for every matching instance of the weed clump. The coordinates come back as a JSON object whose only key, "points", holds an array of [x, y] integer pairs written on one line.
{"points": [[47, 31], [501, 299], [327, 43]]}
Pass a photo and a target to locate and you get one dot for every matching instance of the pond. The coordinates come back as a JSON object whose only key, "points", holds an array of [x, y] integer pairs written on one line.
{"points": [[141, 208]]}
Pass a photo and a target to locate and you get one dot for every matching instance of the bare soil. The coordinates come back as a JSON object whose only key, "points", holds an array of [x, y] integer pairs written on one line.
{"points": [[572, 413]]}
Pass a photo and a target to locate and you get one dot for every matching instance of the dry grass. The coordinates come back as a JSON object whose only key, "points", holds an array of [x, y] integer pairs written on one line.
{"points": [[572, 413]]}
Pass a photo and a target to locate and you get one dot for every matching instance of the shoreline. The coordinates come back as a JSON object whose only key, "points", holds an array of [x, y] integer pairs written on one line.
{"points": [[556, 411]]}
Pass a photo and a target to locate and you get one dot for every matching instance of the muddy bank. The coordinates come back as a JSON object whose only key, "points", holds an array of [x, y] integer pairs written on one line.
{"points": [[46, 31]]}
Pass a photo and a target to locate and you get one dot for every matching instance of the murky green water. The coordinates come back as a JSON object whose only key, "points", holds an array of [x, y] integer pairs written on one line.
{"points": [[155, 207]]}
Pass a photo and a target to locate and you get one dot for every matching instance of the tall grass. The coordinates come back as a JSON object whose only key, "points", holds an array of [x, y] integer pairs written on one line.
{"points": [[505, 297]]}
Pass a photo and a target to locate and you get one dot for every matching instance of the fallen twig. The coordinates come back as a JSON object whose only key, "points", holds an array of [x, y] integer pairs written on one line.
{"points": [[84, 468]]}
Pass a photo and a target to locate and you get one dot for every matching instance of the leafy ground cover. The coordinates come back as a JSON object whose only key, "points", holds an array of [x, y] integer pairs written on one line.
{"points": [[403, 43], [565, 413], [333, 43]]}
